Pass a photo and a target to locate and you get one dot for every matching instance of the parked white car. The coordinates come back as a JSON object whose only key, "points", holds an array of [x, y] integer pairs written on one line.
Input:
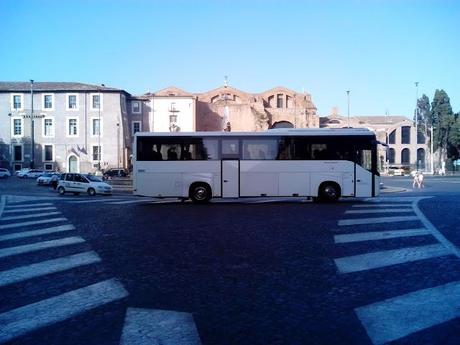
{"points": [[31, 173], [80, 183], [4, 173], [45, 179]]}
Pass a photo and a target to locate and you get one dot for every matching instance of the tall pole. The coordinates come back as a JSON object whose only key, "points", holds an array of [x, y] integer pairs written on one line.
{"points": [[416, 124], [431, 153], [118, 145], [99, 150], [348, 103], [32, 134]]}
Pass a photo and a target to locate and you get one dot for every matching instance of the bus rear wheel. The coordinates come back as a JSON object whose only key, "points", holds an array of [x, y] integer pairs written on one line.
{"points": [[200, 193], [329, 192]]}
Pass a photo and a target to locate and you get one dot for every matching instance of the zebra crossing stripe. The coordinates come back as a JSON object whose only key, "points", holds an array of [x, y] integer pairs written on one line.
{"points": [[18, 210], [10, 251], [375, 205], [384, 210], [88, 201], [400, 316], [34, 316], [47, 267], [144, 327], [35, 222], [30, 205], [45, 231], [35, 215], [380, 235], [385, 258], [360, 221]]}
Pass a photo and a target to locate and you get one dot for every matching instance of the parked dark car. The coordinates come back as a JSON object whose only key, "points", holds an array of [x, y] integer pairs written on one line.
{"points": [[115, 172]]}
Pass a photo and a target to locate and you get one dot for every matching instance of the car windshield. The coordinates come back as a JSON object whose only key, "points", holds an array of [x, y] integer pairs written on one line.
{"points": [[93, 178]]}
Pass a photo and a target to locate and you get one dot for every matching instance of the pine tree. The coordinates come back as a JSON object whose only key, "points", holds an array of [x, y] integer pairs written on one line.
{"points": [[442, 118]]}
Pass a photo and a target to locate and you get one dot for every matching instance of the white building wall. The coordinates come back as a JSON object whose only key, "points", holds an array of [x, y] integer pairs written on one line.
{"points": [[185, 112]]}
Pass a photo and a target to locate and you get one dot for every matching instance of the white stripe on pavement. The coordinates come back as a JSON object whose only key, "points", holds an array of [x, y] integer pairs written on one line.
{"points": [[45, 231], [35, 222], [93, 201], [59, 308], [35, 215], [145, 327], [47, 267], [17, 210], [400, 316], [385, 210], [379, 235], [10, 251], [359, 221], [29, 205], [383, 205], [396, 199], [128, 202], [385, 258]]}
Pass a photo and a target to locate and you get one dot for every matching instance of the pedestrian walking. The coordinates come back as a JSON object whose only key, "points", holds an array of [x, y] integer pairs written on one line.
{"points": [[420, 180], [415, 182]]}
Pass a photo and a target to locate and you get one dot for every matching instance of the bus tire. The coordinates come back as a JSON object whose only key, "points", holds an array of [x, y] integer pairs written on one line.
{"points": [[329, 192], [200, 193]]}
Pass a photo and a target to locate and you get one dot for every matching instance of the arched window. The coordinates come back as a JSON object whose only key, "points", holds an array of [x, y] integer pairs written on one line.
{"points": [[282, 124], [405, 135], [392, 137], [405, 156], [391, 156], [421, 158]]}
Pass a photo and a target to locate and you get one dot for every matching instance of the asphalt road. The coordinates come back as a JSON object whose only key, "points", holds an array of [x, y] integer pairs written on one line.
{"points": [[255, 271]]}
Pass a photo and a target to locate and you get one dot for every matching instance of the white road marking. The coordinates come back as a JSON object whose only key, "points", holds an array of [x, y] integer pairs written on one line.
{"points": [[18, 210], [383, 205], [394, 199], [35, 222], [45, 231], [128, 202], [359, 221], [30, 205], [145, 327], [385, 210], [10, 251], [385, 258], [59, 308], [400, 316], [46, 267], [379, 235], [35, 215], [93, 201]]}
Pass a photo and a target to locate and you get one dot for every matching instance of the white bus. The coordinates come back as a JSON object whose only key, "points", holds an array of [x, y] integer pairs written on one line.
{"points": [[325, 164]]}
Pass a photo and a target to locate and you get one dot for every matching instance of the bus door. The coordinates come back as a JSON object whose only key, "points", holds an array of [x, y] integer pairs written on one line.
{"points": [[230, 178], [230, 168], [363, 174]]}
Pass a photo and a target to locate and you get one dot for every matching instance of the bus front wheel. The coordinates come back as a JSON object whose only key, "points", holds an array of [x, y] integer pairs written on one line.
{"points": [[329, 192], [200, 193]]}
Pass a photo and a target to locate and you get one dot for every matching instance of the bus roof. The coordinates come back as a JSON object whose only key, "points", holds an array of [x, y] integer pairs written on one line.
{"points": [[271, 132]]}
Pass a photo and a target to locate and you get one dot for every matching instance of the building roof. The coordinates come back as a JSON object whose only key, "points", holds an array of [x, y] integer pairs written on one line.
{"points": [[382, 119], [172, 91], [6, 86]]}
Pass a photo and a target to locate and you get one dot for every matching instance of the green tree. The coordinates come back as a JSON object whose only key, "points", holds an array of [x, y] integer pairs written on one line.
{"points": [[454, 139], [442, 118]]}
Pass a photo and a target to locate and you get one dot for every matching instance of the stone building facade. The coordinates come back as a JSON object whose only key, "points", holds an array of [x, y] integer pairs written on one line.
{"points": [[406, 147]]}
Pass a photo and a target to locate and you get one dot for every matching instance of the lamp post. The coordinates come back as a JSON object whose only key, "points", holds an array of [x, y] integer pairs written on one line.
{"points": [[431, 151], [99, 151], [348, 103], [32, 134], [118, 145], [416, 124]]}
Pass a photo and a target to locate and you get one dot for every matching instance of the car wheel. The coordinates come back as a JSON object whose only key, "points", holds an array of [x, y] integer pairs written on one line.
{"points": [[200, 193], [61, 190], [329, 192], [91, 191]]}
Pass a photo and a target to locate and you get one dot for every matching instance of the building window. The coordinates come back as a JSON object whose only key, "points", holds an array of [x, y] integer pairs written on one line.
{"points": [[96, 153], [96, 128], [48, 153], [279, 101], [72, 102], [136, 107], [17, 102], [48, 102], [48, 127], [405, 135], [421, 158], [72, 127], [18, 127], [405, 156], [391, 156], [392, 137], [17, 153], [96, 101], [136, 125], [48, 166]]}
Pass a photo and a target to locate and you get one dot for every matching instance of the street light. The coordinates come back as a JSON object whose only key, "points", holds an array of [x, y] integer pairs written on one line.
{"points": [[32, 135], [348, 102], [416, 123], [431, 151]]}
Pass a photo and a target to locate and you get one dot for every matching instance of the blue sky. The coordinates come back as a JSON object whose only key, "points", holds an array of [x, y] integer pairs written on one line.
{"points": [[376, 49]]}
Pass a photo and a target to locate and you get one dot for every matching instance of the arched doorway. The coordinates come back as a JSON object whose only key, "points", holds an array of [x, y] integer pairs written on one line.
{"points": [[391, 156], [282, 124], [405, 156], [73, 164], [421, 158]]}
